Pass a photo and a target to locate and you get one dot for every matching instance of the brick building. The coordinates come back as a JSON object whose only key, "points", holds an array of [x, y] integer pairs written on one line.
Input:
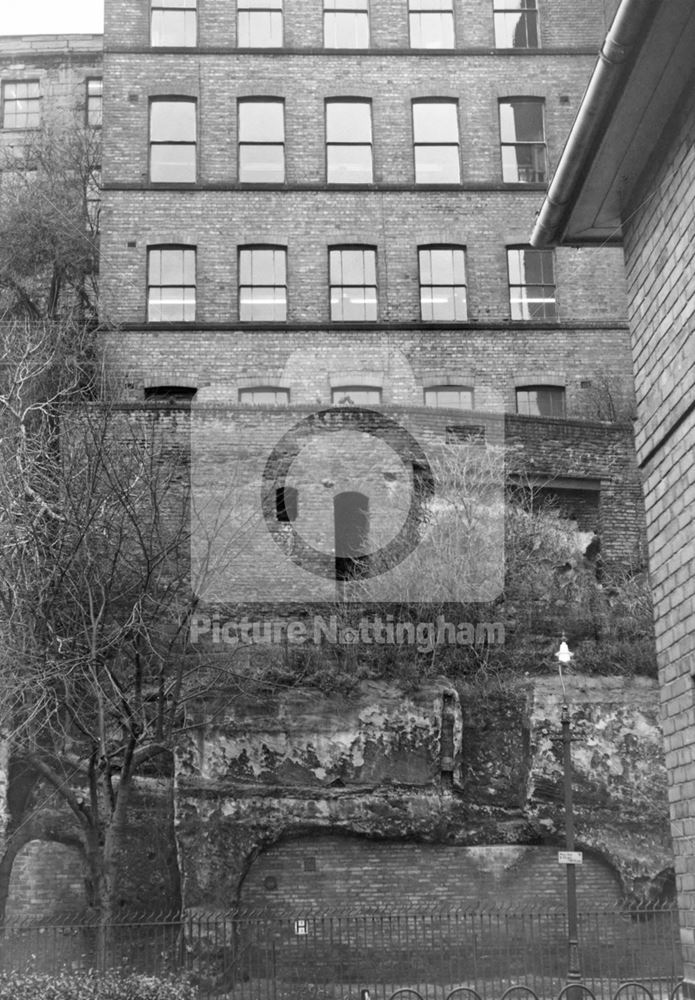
{"points": [[628, 174], [289, 224], [48, 81], [309, 204]]}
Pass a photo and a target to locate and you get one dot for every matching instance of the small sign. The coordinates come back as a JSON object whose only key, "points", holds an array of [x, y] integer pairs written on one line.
{"points": [[569, 857]]}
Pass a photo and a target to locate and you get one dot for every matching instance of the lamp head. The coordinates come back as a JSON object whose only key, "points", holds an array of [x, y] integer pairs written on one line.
{"points": [[564, 654]]}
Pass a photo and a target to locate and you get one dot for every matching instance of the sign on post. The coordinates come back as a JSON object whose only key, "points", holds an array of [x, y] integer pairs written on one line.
{"points": [[569, 857]]}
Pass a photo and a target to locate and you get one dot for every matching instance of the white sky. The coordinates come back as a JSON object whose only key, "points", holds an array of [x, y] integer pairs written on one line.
{"points": [[48, 17]]}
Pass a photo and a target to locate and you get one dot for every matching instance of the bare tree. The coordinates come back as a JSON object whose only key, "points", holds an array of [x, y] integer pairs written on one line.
{"points": [[95, 591], [49, 225]]}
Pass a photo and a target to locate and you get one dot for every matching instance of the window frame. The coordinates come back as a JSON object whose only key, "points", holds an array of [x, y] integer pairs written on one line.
{"points": [[251, 7], [349, 388], [89, 102], [342, 286], [459, 387], [332, 102], [244, 103], [553, 390], [161, 248], [549, 314], [340, 7], [186, 143], [539, 146], [263, 388], [453, 248], [164, 7], [445, 7], [502, 9], [420, 102], [30, 99], [250, 249]]}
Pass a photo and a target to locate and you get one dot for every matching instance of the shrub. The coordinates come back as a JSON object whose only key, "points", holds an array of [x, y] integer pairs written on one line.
{"points": [[91, 986]]}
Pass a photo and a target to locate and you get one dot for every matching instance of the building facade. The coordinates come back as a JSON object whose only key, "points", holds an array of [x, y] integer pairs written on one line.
{"points": [[48, 81], [290, 222], [628, 174], [313, 205]]}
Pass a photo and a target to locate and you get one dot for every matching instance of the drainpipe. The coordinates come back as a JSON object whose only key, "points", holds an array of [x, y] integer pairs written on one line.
{"points": [[625, 35]]}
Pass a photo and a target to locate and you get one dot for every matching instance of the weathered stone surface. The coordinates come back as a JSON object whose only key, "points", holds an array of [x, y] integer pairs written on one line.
{"points": [[618, 772], [483, 768]]}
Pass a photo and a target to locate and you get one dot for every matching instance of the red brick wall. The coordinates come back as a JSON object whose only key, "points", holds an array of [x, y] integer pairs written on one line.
{"points": [[47, 879], [327, 873], [661, 278], [562, 23]]}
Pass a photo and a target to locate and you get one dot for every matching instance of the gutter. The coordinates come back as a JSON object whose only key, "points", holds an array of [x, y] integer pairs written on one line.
{"points": [[623, 40]]}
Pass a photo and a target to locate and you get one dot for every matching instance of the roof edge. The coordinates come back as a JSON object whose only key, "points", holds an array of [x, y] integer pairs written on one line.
{"points": [[624, 39]]}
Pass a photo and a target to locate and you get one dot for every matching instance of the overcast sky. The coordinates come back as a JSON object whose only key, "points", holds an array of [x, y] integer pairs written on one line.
{"points": [[48, 17]]}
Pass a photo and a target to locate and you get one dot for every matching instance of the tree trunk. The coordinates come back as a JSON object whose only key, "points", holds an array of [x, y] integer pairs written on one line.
{"points": [[104, 853]]}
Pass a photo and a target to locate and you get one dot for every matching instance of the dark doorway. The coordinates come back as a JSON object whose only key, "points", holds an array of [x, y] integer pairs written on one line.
{"points": [[351, 520]]}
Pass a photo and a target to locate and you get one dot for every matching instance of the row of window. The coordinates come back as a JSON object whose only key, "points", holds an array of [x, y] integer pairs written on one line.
{"points": [[531, 400], [21, 103], [346, 24], [171, 284], [348, 137]]}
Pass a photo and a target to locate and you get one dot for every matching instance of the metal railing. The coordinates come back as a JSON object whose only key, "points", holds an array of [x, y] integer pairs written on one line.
{"points": [[335, 956]]}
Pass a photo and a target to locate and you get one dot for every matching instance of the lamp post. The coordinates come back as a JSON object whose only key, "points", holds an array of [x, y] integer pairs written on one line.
{"points": [[564, 657]]}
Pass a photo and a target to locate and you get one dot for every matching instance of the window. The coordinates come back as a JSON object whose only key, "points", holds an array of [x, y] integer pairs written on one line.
{"points": [[172, 141], [456, 397], [173, 23], [345, 24], [353, 283], [349, 142], [262, 141], [172, 394], [267, 395], [516, 24], [442, 283], [465, 434], [523, 140], [541, 401], [286, 507], [21, 104], [170, 284], [260, 24], [93, 199], [531, 283], [436, 138], [95, 87], [262, 283], [355, 395], [431, 24]]}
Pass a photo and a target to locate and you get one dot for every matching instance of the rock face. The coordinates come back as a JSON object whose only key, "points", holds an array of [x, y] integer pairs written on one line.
{"points": [[465, 767]]}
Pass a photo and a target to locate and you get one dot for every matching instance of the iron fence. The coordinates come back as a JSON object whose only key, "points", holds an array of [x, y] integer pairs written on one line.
{"points": [[337, 956]]}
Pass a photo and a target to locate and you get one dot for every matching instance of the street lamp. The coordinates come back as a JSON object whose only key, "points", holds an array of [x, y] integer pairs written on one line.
{"points": [[564, 657]]}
